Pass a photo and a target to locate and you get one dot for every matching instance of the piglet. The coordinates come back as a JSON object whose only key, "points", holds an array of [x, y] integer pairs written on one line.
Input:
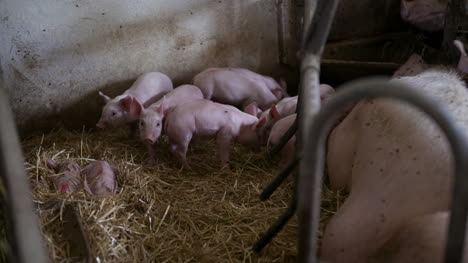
{"points": [[124, 109], [204, 118], [69, 179], [285, 107], [278, 130], [151, 119], [99, 178], [239, 87]]}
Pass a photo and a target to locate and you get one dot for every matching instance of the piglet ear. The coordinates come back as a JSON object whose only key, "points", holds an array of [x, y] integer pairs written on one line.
{"points": [[106, 98], [251, 109], [51, 164], [260, 123], [274, 113], [132, 106], [163, 107], [283, 85], [463, 61], [126, 103]]}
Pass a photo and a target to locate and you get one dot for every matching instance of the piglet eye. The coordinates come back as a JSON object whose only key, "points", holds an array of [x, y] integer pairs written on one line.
{"points": [[157, 124], [142, 123], [113, 113]]}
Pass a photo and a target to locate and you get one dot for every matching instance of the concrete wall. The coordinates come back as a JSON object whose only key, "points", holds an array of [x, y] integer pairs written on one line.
{"points": [[55, 55]]}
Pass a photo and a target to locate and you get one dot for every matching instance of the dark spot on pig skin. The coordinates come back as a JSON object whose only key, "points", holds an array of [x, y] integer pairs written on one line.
{"points": [[371, 163], [410, 147], [379, 149], [414, 158], [225, 111], [342, 250], [367, 124], [418, 172], [191, 12], [121, 26], [103, 13], [382, 218], [43, 30], [77, 5], [50, 83], [381, 170], [383, 201], [397, 150]]}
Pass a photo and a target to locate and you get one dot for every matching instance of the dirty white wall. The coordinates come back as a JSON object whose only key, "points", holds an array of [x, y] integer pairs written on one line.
{"points": [[56, 54]]}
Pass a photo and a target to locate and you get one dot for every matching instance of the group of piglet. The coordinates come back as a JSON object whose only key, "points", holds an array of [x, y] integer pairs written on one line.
{"points": [[207, 109]]}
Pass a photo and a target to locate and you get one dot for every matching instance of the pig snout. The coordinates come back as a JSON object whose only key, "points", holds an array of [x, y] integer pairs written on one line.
{"points": [[101, 125], [148, 140]]}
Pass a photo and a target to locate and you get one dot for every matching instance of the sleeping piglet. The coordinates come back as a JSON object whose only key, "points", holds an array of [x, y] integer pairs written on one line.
{"points": [[123, 109], [99, 178], [69, 179]]}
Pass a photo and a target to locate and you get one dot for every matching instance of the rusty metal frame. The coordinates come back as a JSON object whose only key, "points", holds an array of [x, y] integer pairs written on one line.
{"points": [[25, 241]]}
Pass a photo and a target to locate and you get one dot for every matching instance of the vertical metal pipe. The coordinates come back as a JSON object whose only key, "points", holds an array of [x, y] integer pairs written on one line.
{"points": [[281, 28], [22, 226]]}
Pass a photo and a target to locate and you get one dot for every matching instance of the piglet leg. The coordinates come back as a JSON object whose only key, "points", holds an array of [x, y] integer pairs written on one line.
{"points": [[180, 150], [223, 139]]}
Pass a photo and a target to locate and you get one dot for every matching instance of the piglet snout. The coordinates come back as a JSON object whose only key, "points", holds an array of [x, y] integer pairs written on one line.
{"points": [[100, 125]]}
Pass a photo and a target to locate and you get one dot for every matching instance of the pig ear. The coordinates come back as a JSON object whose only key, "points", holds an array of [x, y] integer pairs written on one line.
{"points": [[283, 85], [252, 109], [274, 113], [260, 123], [51, 164], [126, 103], [463, 61], [131, 105], [460, 47], [106, 98], [163, 107]]}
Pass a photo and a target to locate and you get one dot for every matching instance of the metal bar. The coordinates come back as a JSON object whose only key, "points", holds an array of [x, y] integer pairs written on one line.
{"points": [[311, 167], [276, 227], [22, 226], [281, 28], [278, 180]]}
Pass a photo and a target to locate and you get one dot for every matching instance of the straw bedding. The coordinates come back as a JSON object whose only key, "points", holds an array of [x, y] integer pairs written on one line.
{"points": [[162, 213]]}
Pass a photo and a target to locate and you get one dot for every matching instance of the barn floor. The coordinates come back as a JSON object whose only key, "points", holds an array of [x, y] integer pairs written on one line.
{"points": [[162, 213]]}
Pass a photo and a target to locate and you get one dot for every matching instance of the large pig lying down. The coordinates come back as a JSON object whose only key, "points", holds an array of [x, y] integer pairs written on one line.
{"points": [[398, 167], [151, 119], [123, 109], [239, 87], [204, 118]]}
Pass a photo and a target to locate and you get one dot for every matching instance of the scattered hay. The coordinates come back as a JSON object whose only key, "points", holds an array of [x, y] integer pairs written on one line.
{"points": [[162, 213]]}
